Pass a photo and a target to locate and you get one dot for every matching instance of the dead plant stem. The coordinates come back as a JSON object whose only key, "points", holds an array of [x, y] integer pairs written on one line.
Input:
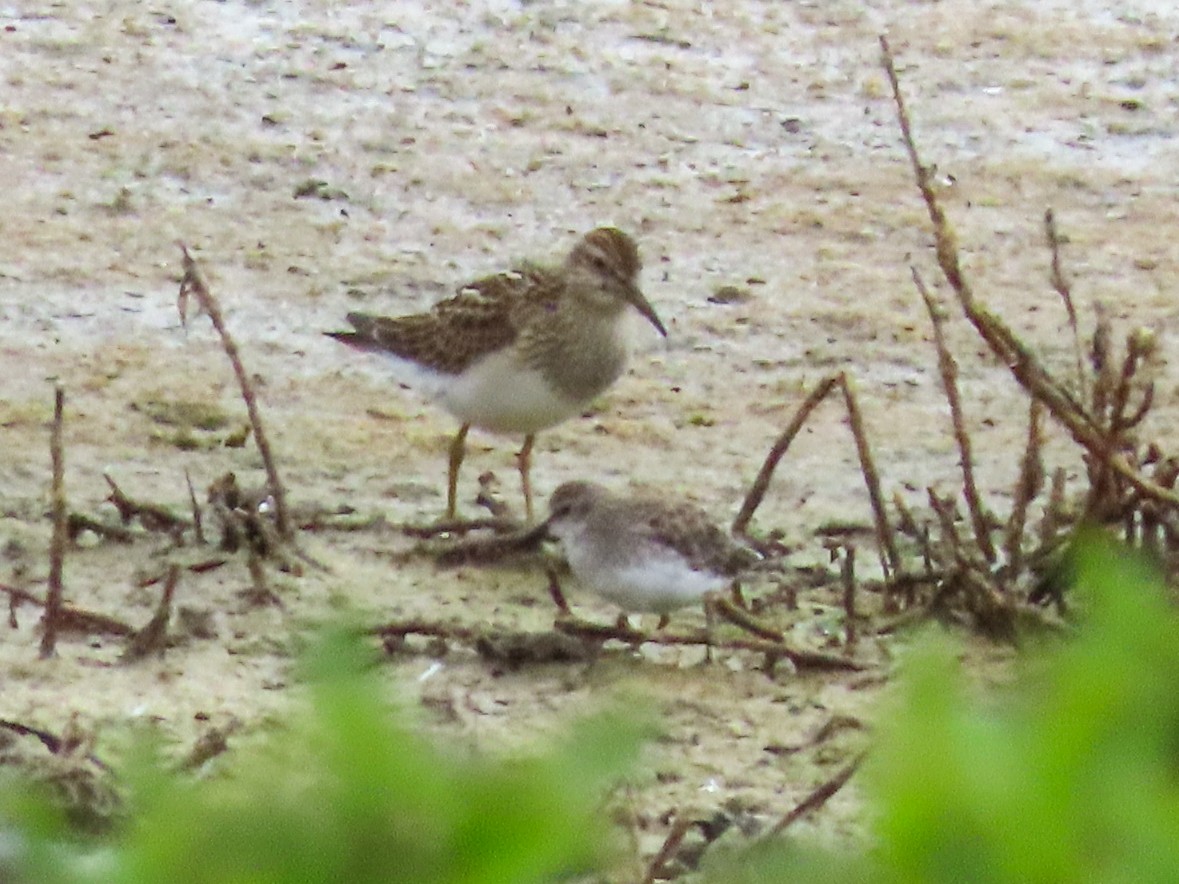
{"points": [[1018, 358], [890, 558], [949, 373], [1062, 288], [194, 283], [53, 598], [757, 491]]}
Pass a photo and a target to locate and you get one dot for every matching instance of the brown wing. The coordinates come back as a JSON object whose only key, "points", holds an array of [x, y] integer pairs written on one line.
{"points": [[482, 317], [689, 531]]}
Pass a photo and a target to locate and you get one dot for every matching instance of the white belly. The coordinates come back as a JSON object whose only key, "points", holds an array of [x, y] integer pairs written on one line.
{"points": [[659, 582], [500, 395], [496, 394]]}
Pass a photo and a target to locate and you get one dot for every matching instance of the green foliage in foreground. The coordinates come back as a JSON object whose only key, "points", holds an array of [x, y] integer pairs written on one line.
{"points": [[350, 796], [1072, 774]]}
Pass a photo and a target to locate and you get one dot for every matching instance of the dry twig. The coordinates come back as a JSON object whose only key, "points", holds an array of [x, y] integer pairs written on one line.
{"points": [[949, 373], [774, 650], [51, 619], [890, 557], [197, 522], [489, 550], [743, 619], [761, 484], [460, 526], [209, 745], [818, 797], [1012, 352], [69, 618], [1062, 289], [153, 638], [193, 284], [151, 516], [675, 837], [56, 745], [80, 522], [1031, 480], [259, 595], [848, 574]]}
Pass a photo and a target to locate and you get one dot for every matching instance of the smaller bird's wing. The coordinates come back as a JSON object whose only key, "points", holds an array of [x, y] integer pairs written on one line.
{"points": [[688, 530]]}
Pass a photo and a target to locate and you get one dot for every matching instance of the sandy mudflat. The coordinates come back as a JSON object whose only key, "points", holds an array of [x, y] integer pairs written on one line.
{"points": [[744, 144]]}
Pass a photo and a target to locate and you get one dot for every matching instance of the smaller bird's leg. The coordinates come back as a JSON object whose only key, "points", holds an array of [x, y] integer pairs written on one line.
{"points": [[557, 595], [622, 624], [664, 619], [710, 602], [524, 463], [457, 451]]}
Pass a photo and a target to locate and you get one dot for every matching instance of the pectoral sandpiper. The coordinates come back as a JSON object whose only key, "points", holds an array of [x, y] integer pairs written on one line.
{"points": [[520, 351]]}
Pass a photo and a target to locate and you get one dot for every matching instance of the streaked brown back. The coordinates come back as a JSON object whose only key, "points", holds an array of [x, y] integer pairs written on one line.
{"points": [[484, 316]]}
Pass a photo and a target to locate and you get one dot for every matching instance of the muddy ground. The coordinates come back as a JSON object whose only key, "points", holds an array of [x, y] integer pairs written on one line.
{"points": [[319, 158]]}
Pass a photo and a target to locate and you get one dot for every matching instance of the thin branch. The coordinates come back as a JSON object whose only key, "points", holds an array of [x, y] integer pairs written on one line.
{"points": [[757, 491], [1062, 288], [818, 797], [1056, 515], [69, 618], [600, 633], [50, 620], [884, 533], [197, 523], [800, 659], [79, 522], [1018, 358], [209, 745], [744, 620], [55, 744], [194, 284], [848, 575], [1101, 359], [947, 246], [1139, 348], [151, 516], [459, 526], [949, 373], [946, 512], [671, 843], [1027, 486], [153, 638]]}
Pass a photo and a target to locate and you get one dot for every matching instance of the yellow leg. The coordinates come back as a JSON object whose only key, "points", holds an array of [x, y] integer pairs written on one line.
{"points": [[457, 450], [709, 625], [524, 462]]}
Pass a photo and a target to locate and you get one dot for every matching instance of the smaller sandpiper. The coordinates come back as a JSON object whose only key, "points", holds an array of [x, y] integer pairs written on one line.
{"points": [[644, 554]]}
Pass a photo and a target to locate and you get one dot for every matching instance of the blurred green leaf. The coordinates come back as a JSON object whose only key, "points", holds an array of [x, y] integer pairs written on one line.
{"points": [[351, 794], [1071, 774]]}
